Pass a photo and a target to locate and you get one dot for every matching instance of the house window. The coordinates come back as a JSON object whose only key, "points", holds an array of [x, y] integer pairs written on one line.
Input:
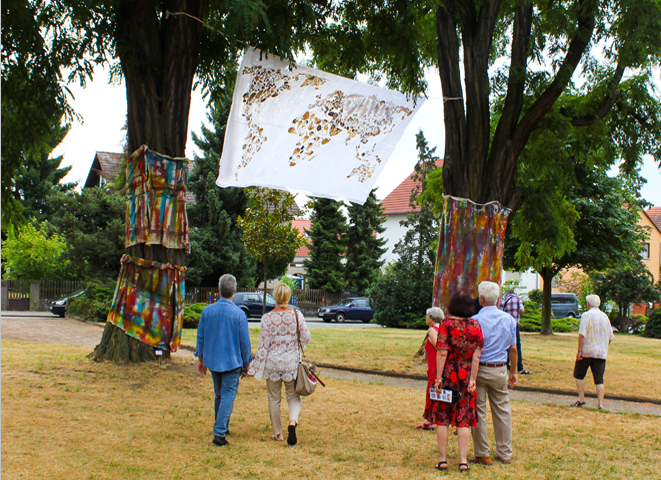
{"points": [[645, 254]]}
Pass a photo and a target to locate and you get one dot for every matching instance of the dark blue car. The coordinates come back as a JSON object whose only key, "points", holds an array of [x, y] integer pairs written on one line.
{"points": [[353, 308], [252, 303]]}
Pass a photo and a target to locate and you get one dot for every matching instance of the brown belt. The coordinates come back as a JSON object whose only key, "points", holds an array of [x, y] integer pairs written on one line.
{"points": [[493, 364]]}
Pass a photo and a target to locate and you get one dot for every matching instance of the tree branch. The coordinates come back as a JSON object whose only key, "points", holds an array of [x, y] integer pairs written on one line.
{"points": [[613, 95], [579, 42]]}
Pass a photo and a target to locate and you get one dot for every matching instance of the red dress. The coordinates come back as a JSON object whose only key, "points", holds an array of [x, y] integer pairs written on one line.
{"points": [[430, 350], [460, 337]]}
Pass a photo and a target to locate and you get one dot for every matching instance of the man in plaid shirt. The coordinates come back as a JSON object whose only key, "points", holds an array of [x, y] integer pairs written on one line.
{"points": [[513, 305]]}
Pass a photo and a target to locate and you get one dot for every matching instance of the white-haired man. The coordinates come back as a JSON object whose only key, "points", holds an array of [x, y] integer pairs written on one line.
{"points": [[594, 336], [499, 332]]}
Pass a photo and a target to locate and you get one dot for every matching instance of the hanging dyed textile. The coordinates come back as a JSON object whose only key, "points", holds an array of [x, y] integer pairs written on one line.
{"points": [[470, 247], [156, 200], [149, 302], [309, 130]]}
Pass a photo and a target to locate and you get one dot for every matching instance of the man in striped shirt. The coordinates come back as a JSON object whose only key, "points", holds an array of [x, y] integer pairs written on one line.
{"points": [[513, 305]]}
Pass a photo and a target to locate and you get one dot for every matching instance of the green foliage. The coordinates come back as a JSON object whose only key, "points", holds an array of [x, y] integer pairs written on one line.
{"points": [[653, 325], [92, 222], [536, 296], [267, 231], [216, 246], [95, 304], [364, 247], [327, 246], [624, 286], [531, 318], [289, 282], [579, 284], [403, 293], [192, 315], [33, 254]]}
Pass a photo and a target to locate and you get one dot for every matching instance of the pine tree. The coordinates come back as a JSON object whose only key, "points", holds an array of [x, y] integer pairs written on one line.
{"points": [[216, 246], [329, 226], [364, 247]]}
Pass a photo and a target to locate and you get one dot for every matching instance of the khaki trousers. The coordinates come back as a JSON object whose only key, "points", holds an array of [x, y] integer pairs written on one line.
{"points": [[492, 382], [274, 389]]}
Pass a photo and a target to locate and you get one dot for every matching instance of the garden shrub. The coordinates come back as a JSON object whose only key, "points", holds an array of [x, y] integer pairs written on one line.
{"points": [[192, 315], [653, 325], [637, 323], [95, 304], [531, 319]]}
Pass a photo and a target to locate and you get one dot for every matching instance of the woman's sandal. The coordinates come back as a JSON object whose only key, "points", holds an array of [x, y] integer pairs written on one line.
{"points": [[442, 466], [425, 426], [275, 437], [464, 470]]}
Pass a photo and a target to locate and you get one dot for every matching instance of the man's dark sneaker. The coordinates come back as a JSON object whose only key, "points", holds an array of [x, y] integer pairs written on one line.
{"points": [[220, 441]]}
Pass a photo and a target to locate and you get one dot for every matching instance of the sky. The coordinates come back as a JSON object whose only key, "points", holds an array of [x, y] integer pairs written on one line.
{"points": [[102, 107]]}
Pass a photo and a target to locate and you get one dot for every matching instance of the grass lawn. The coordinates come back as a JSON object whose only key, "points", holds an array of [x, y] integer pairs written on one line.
{"points": [[65, 417], [633, 366]]}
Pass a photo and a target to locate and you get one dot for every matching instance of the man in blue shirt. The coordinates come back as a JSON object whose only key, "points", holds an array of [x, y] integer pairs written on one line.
{"points": [[223, 346], [499, 332]]}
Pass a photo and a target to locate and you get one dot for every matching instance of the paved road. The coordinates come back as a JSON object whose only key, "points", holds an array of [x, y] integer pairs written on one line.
{"points": [[44, 327]]}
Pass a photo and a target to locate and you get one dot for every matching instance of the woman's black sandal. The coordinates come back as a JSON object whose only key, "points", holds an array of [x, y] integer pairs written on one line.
{"points": [[442, 466], [464, 470], [291, 438]]}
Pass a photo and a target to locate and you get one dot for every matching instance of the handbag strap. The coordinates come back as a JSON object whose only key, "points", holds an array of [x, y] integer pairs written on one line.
{"points": [[298, 335]]}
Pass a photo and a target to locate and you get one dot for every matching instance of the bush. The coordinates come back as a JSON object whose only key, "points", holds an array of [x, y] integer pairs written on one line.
{"points": [[192, 315], [653, 325], [531, 319], [95, 304], [637, 323], [536, 296], [400, 298]]}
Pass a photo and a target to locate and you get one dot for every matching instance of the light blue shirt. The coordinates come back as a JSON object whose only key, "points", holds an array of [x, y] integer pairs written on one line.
{"points": [[499, 332], [223, 340]]}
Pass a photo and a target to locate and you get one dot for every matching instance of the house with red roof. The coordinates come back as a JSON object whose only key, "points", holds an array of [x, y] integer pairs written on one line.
{"points": [[396, 206], [651, 255], [296, 267]]}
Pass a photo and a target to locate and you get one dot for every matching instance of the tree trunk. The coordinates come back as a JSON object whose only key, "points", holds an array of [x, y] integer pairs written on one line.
{"points": [[159, 57], [547, 277], [265, 280]]}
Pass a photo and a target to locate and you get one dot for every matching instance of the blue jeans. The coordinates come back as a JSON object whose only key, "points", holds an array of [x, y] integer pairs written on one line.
{"points": [[518, 349], [225, 386]]}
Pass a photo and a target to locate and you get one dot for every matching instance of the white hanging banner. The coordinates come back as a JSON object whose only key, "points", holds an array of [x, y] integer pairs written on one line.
{"points": [[308, 130]]}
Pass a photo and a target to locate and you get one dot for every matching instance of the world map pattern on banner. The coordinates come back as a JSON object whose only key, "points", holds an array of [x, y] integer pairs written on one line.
{"points": [[309, 130], [470, 247]]}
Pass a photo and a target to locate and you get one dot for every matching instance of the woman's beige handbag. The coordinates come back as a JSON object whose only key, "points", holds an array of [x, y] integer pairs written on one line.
{"points": [[306, 379]]}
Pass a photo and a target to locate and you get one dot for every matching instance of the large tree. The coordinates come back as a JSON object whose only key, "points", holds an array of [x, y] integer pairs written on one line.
{"points": [[216, 246], [529, 52], [325, 269], [364, 247]]}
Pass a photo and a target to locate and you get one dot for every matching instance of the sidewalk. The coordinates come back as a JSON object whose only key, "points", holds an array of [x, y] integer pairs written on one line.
{"points": [[45, 327]]}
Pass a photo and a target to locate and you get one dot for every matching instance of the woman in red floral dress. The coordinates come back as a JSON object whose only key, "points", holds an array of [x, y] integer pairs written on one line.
{"points": [[434, 317], [458, 348]]}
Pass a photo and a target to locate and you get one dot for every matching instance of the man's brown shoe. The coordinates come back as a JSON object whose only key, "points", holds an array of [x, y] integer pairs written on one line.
{"points": [[503, 461], [481, 460]]}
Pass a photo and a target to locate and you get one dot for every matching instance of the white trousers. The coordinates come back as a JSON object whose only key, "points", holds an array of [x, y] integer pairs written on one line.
{"points": [[274, 389]]}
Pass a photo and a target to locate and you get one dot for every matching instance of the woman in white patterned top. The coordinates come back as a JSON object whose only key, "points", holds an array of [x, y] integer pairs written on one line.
{"points": [[277, 359]]}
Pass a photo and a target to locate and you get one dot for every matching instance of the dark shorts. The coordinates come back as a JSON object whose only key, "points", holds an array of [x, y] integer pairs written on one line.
{"points": [[597, 365]]}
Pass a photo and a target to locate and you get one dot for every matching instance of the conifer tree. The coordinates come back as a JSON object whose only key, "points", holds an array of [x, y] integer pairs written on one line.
{"points": [[364, 247], [216, 246], [329, 226]]}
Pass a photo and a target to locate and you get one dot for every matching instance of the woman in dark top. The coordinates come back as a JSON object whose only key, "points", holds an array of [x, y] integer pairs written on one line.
{"points": [[458, 348]]}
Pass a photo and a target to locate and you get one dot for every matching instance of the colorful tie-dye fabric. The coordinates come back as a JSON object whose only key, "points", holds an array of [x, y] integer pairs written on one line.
{"points": [[149, 302], [156, 202], [470, 247]]}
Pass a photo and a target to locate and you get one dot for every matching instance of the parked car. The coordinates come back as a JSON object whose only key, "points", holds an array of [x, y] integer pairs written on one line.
{"points": [[565, 305], [353, 308], [59, 307], [252, 303]]}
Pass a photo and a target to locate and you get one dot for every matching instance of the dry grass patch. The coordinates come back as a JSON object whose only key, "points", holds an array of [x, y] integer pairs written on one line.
{"points": [[64, 417]]}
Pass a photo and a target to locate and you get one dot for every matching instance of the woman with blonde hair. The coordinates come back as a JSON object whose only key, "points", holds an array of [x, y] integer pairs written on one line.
{"points": [[277, 359]]}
